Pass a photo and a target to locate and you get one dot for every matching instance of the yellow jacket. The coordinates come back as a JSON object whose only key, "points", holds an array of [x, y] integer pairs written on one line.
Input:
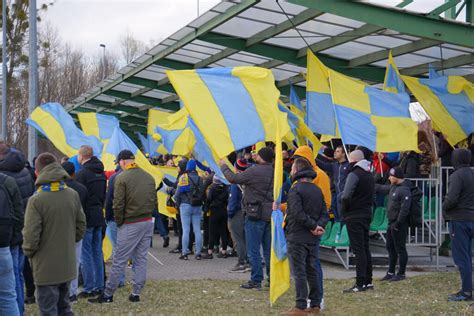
{"points": [[322, 179]]}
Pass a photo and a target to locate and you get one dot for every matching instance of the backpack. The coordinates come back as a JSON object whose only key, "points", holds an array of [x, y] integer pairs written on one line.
{"points": [[195, 194], [6, 205], [415, 218]]}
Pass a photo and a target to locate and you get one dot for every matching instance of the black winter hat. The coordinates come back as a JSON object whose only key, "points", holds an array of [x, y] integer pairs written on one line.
{"points": [[125, 155], [397, 172], [267, 154], [69, 167]]}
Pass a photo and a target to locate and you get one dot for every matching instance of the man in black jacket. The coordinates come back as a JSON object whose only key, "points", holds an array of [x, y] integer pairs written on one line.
{"points": [[93, 178], [458, 208], [83, 194], [257, 206], [12, 217], [356, 208], [398, 210], [306, 218], [12, 163]]}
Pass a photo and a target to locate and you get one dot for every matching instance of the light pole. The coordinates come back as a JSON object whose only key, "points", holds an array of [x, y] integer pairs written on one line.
{"points": [[32, 78], [4, 70], [103, 61]]}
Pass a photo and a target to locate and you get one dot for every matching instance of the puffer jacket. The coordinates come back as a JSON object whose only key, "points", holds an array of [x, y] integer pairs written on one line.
{"points": [[13, 165], [399, 200], [93, 177], [459, 202], [306, 209]]}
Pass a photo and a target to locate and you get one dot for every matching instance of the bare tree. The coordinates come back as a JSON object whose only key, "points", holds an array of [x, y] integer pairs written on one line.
{"points": [[131, 47]]}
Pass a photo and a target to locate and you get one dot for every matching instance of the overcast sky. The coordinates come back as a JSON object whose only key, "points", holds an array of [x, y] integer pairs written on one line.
{"points": [[87, 23]]}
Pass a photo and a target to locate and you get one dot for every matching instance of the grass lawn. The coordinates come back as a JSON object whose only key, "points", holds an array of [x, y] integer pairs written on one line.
{"points": [[424, 295]]}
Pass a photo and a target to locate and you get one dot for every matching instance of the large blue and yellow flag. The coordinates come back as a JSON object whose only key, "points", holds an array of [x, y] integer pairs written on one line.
{"points": [[174, 132], [171, 173], [232, 107], [151, 146], [102, 127], [51, 120], [449, 101], [319, 107], [377, 119]]}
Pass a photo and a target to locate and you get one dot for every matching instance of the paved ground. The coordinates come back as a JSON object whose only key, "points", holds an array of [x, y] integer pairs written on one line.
{"points": [[165, 266]]}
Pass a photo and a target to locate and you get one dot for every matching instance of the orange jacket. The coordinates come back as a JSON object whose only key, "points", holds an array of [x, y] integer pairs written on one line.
{"points": [[322, 179]]}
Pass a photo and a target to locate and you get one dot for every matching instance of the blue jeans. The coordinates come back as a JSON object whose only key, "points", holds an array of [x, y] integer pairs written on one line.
{"points": [[92, 260], [8, 303], [191, 215], [258, 234], [18, 262], [159, 225], [461, 241]]}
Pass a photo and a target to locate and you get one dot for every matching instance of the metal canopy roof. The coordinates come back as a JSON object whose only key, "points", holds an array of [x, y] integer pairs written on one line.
{"points": [[351, 37]]}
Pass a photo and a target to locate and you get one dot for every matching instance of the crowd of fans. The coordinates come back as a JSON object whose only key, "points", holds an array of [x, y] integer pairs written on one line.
{"points": [[52, 221]]}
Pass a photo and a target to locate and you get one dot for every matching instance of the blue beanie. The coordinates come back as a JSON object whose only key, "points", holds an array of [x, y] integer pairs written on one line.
{"points": [[191, 165]]}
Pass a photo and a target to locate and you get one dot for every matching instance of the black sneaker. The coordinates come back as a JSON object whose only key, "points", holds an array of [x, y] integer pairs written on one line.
{"points": [[250, 285], [207, 256], [460, 297], [101, 299], [239, 268], [134, 298], [183, 257], [72, 299], [86, 295], [222, 255], [175, 250], [388, 277], [354, 289], [198, 257], [97, 292], [369, 287], [31, 300], [398, 277], [166, 242]]}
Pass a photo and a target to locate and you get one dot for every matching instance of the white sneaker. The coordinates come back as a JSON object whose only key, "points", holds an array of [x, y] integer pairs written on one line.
{"points": [[321, 306]]}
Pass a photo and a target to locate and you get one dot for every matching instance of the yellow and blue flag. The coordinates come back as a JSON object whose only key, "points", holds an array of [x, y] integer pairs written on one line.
{"points": [[392, 81], [377, 119], [171, 173], [449, 101], [319, 106], [279, 263], [151, 146], [295, 103], [233, 108], [102, 127], [174, 132], [433, 74], [51, 120]]}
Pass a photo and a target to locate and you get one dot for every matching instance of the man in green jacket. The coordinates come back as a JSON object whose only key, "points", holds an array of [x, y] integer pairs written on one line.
{"points": [[54, 222], [133, 204]]}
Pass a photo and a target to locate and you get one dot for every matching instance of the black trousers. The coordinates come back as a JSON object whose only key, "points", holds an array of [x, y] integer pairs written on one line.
{"points": [[205, 228], [358, 230], [303, 259], [218, 229], [28, 276], [397, 249], [53, 299]]}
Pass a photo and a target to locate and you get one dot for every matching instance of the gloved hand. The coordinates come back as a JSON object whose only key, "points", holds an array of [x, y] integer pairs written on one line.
{"points": [[395, 226]]}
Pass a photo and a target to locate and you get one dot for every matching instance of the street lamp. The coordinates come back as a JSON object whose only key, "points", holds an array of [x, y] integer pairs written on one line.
{"points": [[103, 61]]}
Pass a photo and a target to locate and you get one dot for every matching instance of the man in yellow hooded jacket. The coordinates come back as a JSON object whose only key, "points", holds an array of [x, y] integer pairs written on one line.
{"points": [[322, 179]]}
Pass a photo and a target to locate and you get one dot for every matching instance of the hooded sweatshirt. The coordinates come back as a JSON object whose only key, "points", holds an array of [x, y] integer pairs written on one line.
{"points": [[54, 222], [13, 165], [358, 195], [93, 177], [459, 202], [322, 180]]}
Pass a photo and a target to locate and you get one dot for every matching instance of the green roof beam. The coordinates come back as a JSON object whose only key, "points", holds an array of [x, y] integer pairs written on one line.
{"points": [[345, 37], [449, 7], [396, 51], [470, 11], [298, 19], [426, 26], [370, 73], [442, 64], [404, 3]]}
